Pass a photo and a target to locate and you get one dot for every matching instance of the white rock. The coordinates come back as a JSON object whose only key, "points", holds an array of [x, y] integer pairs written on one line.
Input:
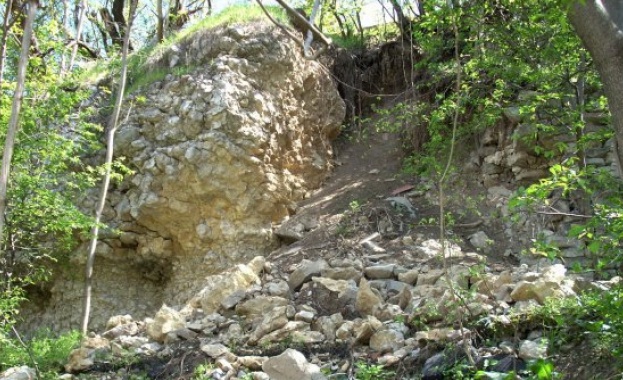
{"points": [[529, 350], [19, 373], [291, 365]]}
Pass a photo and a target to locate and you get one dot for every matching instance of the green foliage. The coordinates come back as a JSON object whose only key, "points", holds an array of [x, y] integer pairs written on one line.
{"points": [[367, 371], [50, 352], [602, 229], [47, 177], [203, 371], [540, 369], [511, 53]]}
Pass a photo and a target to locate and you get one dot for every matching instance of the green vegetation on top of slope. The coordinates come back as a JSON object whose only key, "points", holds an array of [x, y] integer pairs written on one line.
{"points": [[234, 15]]}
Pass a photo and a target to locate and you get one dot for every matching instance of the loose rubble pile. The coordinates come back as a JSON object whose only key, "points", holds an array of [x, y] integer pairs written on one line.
{"points": [[368, 306]]}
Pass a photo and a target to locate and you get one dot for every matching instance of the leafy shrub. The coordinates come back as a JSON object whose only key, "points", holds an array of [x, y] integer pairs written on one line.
{"points": [[50, 352]]}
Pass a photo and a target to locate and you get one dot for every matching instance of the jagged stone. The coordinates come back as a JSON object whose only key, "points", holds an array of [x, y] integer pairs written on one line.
{"points": [[345, 331], [252, 362], [214, 350], [388, 312], [364, 330], [343, 273], [328, 325], [80, 359], [278, 288], [330, 296], [380, 272], [259, 306], [122, 329], [481, 241], [291, 364], [367, 301], [387, 341], [430, 277], [19, 373], [117, 320], [218, 287], [305, 316], [304, 272], [530, 350], [260, 376], [436, 365], [165, 321], [273, 320], [409, 277], [233, 299]]}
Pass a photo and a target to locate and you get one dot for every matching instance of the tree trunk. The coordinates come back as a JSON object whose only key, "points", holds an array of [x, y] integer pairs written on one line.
{"points": [[599, 23], [15, 111], [159, 22], [112, 128], [6, 25], [76, 42]]}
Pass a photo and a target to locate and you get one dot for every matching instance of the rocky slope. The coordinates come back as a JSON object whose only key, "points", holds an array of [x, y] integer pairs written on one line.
{"points": [[361, 276]]}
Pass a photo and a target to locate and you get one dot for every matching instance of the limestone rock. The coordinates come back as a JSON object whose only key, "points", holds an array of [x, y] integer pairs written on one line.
{"points": [[364, 329], [277, 288], [80, 359], [529, 349], [122, 329], [165, 321], [409, 277], [218, 287], [214, 350], [291, 364], [305, 271], [19, 373], [328, 325], [273, 320], [380, 271], [386, 341], [252, 362], [343, 273], [430, 277], [221, 153], [117, 320], [330, 296], [481, 241], [367, 301], [259, 306]]}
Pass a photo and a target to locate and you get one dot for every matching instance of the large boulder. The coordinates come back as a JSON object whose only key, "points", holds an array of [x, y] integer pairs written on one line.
{"points": [[237, 129]]}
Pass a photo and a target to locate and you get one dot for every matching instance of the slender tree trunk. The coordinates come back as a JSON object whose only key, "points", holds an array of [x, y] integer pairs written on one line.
{"points": [[599, 23], [81, 17], [15, 111], [160, 21], [310, 36], [110, 137], [6, 25]]}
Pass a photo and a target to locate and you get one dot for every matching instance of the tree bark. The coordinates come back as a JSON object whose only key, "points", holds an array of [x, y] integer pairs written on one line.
{"points": [[599, 23], [81, 17], [159, 21], [13, 125], [112, 128], [6, 25]]}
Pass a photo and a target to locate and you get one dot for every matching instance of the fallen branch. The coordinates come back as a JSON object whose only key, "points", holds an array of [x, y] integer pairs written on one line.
{"points": [[368, 243], [297, 16]]}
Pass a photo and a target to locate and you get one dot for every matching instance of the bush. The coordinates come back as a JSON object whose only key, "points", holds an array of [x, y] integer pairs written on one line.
{"points": [[50, 352]]}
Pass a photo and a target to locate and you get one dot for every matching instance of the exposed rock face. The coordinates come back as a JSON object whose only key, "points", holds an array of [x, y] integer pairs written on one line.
{"points": [[220, 154]]}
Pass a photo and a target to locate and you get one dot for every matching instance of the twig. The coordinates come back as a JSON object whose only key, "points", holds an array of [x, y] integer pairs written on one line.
{"points": [[560, 213], [29, 350], [442, 230]]}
